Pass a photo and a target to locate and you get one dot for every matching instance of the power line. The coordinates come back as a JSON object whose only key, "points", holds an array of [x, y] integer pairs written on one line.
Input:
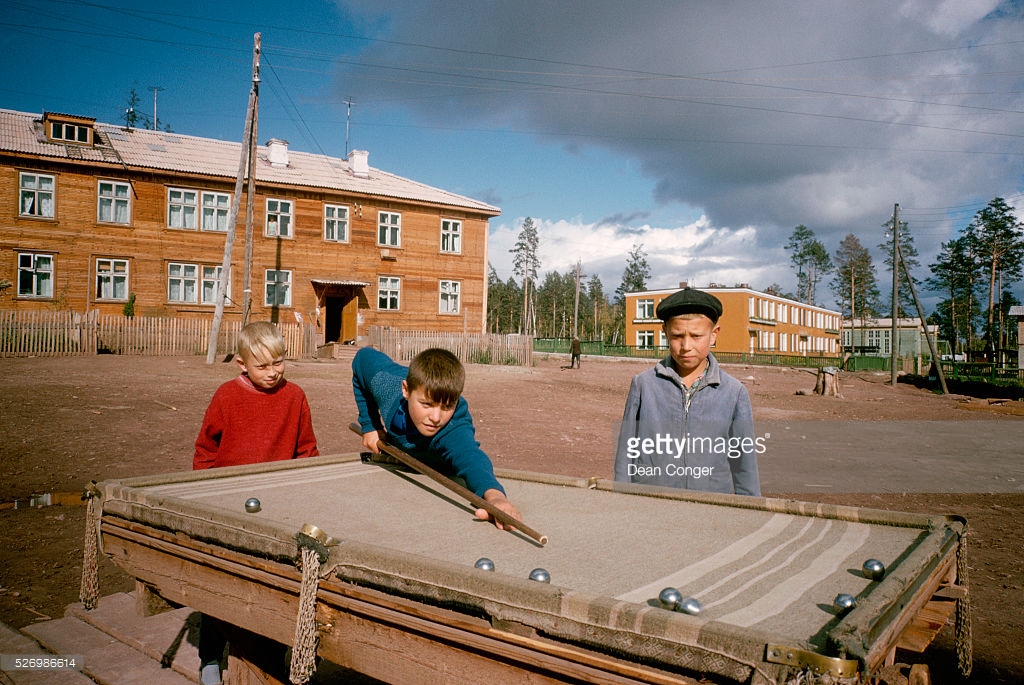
{"points": [[295, 114], [633, 73]]}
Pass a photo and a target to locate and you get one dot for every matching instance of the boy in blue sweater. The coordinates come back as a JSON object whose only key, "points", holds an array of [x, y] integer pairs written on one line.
{"points": [[420, 410]]}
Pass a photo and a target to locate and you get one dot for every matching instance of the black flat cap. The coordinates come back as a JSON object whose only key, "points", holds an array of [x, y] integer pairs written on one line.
{"points": [[690, 301]]}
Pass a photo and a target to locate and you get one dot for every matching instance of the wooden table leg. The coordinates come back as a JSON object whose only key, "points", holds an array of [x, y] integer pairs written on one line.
{"points": [[255, 660], [920, 675]]}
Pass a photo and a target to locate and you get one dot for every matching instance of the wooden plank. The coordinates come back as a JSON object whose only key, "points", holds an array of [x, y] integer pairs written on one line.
{"points": [[926, 624]]}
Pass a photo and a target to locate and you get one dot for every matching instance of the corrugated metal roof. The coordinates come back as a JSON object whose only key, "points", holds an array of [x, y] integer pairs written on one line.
{"points": [[339, 281], [22, 132]]}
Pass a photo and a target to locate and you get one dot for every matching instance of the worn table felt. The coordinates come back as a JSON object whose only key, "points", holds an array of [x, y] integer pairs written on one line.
{"points": [[776, 573]]}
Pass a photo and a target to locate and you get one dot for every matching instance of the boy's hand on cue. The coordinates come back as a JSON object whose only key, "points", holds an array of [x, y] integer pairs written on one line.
{"points": [[370, 441], [498, 499]]}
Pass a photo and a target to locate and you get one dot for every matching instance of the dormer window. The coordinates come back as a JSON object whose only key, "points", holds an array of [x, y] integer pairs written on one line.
{"points": [[72, 133], [65, 128]]}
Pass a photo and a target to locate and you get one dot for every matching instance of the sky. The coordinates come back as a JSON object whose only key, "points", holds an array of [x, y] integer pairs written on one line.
{"points": [[703, 132]]}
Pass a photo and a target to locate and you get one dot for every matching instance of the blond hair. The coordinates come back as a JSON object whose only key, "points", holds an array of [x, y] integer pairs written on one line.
{"points": [[261, 341]]}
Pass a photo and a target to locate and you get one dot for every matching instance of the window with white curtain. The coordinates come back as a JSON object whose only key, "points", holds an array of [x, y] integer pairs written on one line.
{"points": [[388, 292], [111, 279], [182, 283], [450, 291], [114, 205], [36, 195], [216, 207], [182, 208], [336, 223]]}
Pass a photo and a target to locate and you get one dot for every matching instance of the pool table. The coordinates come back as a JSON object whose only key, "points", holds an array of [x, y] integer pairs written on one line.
{"points": [[398, 596]]}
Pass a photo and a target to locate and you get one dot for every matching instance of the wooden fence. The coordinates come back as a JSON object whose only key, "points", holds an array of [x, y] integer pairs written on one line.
{"points": [[472, 348], [62, 334], [47, 334]]}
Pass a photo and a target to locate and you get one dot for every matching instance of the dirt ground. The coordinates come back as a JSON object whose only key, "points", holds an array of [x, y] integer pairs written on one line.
{"points": [[64, 422]]}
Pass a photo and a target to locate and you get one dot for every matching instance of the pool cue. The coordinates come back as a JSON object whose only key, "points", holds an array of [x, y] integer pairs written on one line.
{"points": [[474, 499]]}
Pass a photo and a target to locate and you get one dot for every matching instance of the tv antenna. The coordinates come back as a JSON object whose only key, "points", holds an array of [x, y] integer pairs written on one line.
{"points": [[349, 101]]}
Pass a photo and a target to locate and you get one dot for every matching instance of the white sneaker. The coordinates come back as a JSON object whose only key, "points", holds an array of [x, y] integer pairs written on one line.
{"points": [[210, 675]]}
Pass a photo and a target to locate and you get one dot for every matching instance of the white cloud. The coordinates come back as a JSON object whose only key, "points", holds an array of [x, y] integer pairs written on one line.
{"points": [[948, 17], [696, 253], [764, 117]]}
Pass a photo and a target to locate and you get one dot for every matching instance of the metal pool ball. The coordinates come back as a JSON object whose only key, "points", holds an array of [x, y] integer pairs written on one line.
{"points": [[484, 564], [874, 569], [252, 505], [844, 602], [690, 606], [540, 575], [670, 598]]}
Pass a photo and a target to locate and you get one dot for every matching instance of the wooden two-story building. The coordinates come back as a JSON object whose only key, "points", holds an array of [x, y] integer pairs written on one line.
{"points": [[94, 216], [753, 322]]}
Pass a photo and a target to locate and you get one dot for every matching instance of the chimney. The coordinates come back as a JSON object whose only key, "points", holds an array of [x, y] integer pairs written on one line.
{"points": [[358, 161], [684, 284], [278, 153]]}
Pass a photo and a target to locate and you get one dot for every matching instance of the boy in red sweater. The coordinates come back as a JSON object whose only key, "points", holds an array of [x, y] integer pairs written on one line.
{"points": [[256, 417]]}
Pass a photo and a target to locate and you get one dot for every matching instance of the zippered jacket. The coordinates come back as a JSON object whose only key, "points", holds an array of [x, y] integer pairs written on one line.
{"points": [[698, 439]]}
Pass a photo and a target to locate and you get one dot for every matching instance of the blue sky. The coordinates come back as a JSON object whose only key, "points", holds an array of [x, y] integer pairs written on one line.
{"points": [[703, 131]]}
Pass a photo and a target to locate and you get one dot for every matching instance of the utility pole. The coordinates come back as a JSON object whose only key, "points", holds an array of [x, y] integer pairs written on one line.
{"points": [[349, 101], [247, 156], [895, 288], [924, 324], [250, 203], [154, 89]]}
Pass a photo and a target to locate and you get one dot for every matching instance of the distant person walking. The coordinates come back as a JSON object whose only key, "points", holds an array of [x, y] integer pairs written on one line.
{"points": [[576, 351]]}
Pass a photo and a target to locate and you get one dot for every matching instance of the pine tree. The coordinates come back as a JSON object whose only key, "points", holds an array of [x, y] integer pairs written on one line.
{"points": [[635, 275], [909, 253], [525, 264], [503, 301], [595, 294], [811, 261], [634, 279], [997, 238], [131, 116], [854, 284], [554, 304], [955, 274]]}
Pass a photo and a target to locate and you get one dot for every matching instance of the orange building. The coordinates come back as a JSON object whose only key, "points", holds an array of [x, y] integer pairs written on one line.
{"points": [[752, 322], [97, 216]]}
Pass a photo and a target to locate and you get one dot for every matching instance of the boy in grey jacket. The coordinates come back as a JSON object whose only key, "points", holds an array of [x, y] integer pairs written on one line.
{"points": [[687, 423]]}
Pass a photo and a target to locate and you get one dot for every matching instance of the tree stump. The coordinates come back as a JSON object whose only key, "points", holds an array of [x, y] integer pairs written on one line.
{"points": [[827, 384]]}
